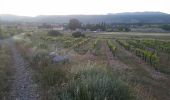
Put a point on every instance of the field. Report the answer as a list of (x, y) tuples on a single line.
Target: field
[(100, 66)]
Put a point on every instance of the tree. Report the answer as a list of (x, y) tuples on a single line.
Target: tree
[(165, 27), (123, 29), (73, 24)]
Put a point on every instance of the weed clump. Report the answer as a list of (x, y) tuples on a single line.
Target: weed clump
[(94, 84)]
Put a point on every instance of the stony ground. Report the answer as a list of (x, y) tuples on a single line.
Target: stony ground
[(23, 86)]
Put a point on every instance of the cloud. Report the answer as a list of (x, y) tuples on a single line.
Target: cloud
[(65, 7)]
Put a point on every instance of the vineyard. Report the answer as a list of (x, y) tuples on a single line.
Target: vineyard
[(148, 50), (131, 64)]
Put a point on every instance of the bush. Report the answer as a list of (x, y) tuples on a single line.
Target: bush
[(40, 59), (54, 33), (123, 29), (94, 85), (78, 34), (52, 76), (42, 45), (112, 47)]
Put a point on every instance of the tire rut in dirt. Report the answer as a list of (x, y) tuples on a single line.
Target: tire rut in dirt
[(23, 86)]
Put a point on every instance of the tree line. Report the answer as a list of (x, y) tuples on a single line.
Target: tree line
[(76, 24)]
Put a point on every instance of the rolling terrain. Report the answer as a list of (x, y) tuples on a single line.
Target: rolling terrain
[(137, 17)]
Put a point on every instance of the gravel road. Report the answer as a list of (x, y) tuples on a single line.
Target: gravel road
[(23, 86)]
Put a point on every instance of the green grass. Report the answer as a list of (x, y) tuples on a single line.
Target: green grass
[(72, 82), (49, 73), (89, 84), (53, 76), (5, 69), (97, 47), (94, 84)]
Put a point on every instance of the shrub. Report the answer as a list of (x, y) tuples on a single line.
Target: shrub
[(97, 47), (40, 59), (112, 47), (94, 85), (52, 76), (42, 45), (123, 29), (54, 33), (78, 34)]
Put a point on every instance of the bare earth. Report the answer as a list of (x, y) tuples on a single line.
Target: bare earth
[(23, 86)]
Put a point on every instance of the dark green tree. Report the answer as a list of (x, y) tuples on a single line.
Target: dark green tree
[(74, 23), (166, 27)]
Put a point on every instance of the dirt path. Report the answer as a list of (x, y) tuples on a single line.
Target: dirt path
[(113, 62), (23, 87)]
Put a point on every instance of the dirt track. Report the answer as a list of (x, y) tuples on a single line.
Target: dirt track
[(23, 86)]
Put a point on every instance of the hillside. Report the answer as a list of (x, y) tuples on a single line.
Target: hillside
[(136, 17)]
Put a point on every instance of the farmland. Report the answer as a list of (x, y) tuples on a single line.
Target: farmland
[(101, 66)]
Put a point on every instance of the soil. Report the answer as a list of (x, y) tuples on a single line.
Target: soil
[(23, 86)]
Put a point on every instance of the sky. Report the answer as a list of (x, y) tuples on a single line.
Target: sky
[(87, 7)]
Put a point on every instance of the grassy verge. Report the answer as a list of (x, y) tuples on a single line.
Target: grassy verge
[(94, 84), (5, 68)]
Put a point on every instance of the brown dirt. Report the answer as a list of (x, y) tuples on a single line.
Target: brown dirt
[(113, 62)]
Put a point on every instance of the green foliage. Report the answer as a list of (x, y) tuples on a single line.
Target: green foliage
[(67, 43), (96, 43), (165, 27), (40, 59), (5, 70), (74, 24), (94, 84), (42, 45), (4, 34), (141, 51), (80, 46), (158, 45), (97, 47), (125, 45), (8, 31), (112, 47), (54, 33), (81, 43), (123, 29), (93, 27), (78, 34), (52, 76), (148, 56)]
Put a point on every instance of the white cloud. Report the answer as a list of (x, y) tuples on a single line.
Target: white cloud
[(65, 7)]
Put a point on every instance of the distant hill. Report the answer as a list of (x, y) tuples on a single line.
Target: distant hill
[(136, 17)]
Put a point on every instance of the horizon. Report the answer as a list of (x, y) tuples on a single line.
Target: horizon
[(33, 8), (87, 14)]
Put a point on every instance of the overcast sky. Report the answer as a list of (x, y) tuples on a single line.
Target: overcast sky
[(67, 7)]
